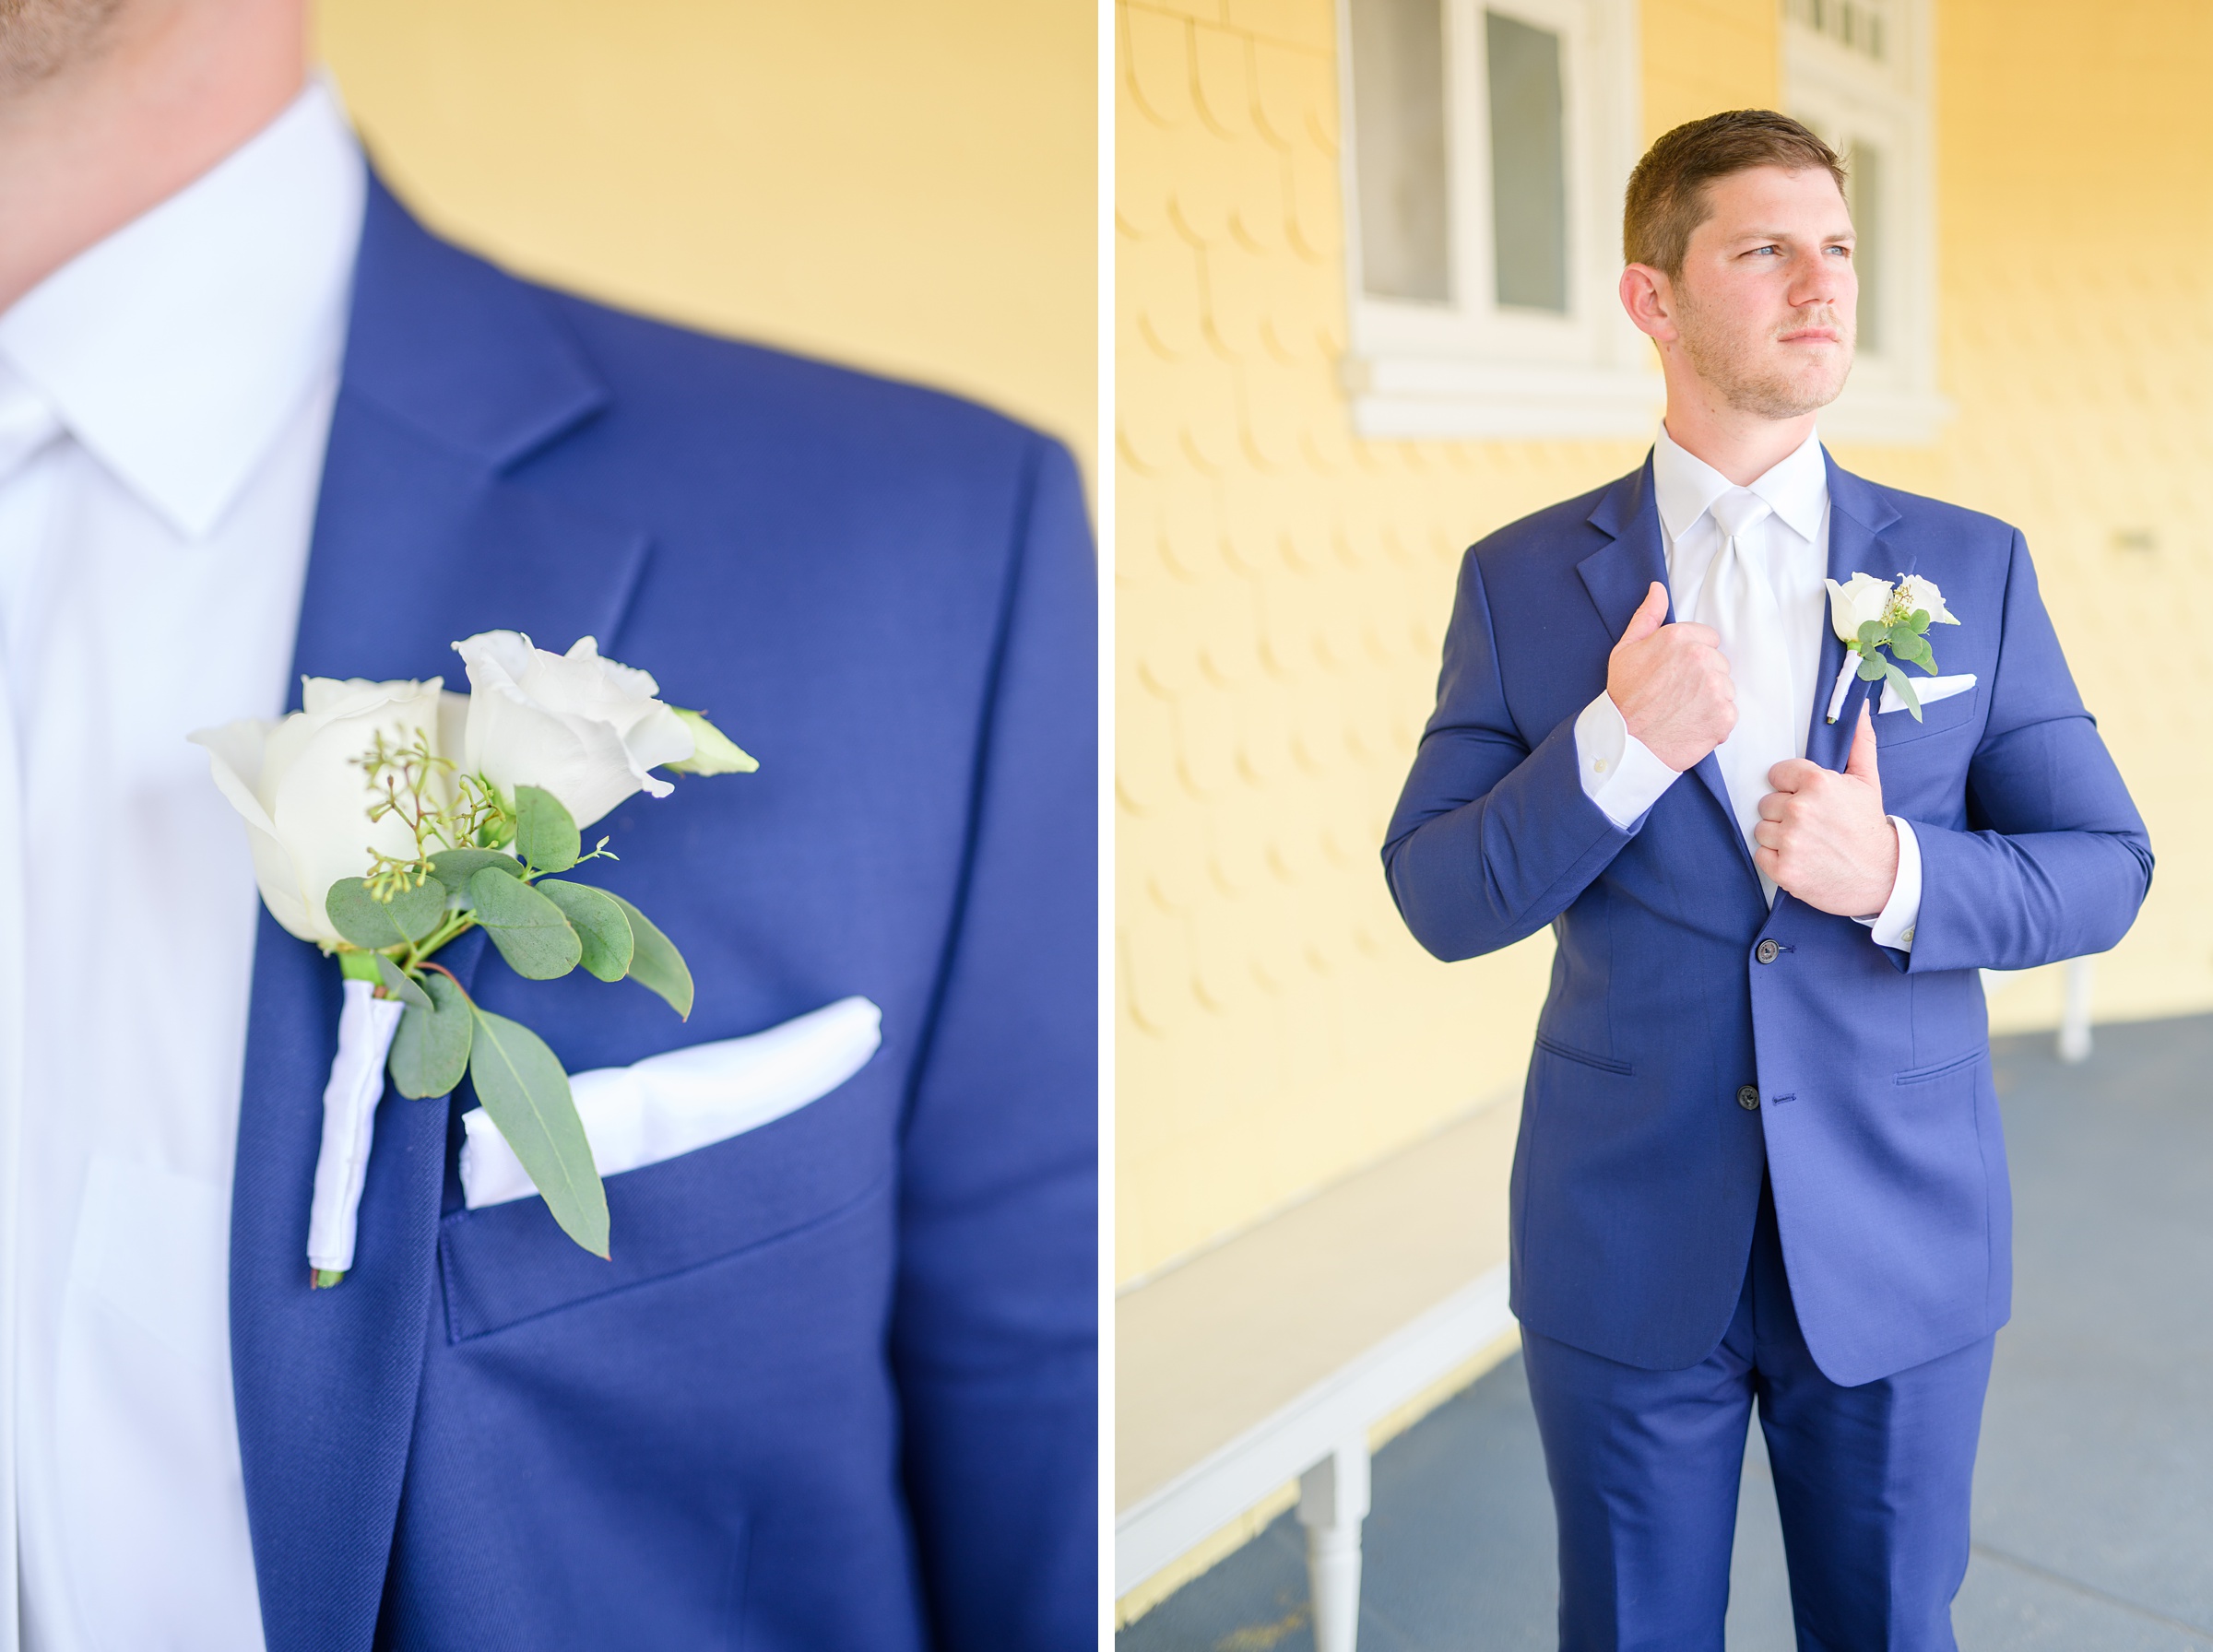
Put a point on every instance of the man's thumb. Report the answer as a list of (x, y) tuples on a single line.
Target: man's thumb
[(1651, 615), (1860, 764)]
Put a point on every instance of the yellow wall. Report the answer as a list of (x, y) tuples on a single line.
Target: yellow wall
[(909, 188), (1282, 593), (1284, 587), (2074, 231)]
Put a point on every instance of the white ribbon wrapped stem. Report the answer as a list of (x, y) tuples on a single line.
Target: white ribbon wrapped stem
[(1836, 696), (356, 1083)]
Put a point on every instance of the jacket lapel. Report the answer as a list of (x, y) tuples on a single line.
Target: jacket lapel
[(1617, 577), (1858, 513), (453, 376)]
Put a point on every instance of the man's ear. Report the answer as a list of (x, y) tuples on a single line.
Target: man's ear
[(1650, 298)]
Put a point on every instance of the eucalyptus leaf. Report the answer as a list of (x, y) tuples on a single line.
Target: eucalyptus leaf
[(713, 752), (455, 867), (1872, 633), (1919, 620), (366, 921), (429, 1051), (599, 922), (1872, 667), (1905, 691), (528, 929), (396, 981), (654, 962), (544, 831), (521, 1084)]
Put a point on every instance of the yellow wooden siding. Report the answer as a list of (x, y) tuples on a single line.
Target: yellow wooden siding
[(909, 188), (1283, 587)]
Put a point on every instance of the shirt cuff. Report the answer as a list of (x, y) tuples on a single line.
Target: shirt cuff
[(1893, 925), (1618, 771)]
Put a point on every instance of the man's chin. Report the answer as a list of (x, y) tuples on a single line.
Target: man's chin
[(1790, 398)]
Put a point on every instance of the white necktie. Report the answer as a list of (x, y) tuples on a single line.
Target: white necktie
[(1739, 600)]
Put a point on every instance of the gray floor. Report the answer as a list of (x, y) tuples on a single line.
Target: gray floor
[(2094, 1489)]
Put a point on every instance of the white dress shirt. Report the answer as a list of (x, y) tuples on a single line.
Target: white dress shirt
[(1620, 774), (165, 399)]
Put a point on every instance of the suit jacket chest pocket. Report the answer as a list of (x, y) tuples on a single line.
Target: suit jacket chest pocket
[(506, 1262), (1947, 716)]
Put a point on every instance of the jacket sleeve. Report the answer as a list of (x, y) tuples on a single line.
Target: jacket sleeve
[(1492, 838), (2054, 861), (994, 1333)]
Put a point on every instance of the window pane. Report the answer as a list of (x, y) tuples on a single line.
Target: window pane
[(1529, 164), (1399, 143), (1863, 178)]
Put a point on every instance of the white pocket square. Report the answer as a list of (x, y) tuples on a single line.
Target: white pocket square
[(1930, 690), (685, 1099)]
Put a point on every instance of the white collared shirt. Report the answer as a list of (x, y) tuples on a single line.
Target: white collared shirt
[(165, 399), (1619, 772)]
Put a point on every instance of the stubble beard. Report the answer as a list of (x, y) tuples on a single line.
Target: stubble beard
[(1744, 380), (40, 37)]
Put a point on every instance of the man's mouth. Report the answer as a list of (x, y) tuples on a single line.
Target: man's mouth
[(1811, 336)]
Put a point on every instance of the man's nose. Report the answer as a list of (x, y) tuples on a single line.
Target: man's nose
[(1822, 280)]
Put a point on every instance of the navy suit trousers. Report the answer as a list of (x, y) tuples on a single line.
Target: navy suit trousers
[(1873, 1482)]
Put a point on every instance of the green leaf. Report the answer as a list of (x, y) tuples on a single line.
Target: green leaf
[(1920, 653), (368, 922), (521, 1084), (1872, 633), (1872, 667), (599, 922), (528, 929), (1919, 620), (656, 963), (397, 983), (429, 1051), (1905, 691), (455, 867), (1902, 636), (712, 751), (544, 831)]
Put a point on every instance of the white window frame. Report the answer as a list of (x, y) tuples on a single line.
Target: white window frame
[(1470, 368), (1892, 397)]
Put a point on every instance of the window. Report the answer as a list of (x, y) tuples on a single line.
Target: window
[(1487, 145), (1857, 71)]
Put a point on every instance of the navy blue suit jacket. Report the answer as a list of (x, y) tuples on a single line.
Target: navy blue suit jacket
[(1636, 1175), (835, 1387)]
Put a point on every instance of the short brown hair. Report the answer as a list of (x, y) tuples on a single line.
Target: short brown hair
[(1667, 191)]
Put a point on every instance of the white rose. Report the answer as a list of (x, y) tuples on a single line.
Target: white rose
[(1915, 592), (305, 798), (1851, 606), (582, 727)]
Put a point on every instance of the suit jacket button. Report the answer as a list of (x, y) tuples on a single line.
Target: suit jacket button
[(1768, 951), (1748, 1098)]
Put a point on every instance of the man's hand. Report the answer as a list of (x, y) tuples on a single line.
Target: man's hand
[(1824, 837), (1671, 684)]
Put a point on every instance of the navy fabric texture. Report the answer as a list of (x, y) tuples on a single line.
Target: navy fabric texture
[(1872, 1483), (1636, 1175), (835, 1389)]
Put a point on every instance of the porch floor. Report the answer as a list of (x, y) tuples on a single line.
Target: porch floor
[(2093, 1522)]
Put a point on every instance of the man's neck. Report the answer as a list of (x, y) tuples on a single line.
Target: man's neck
[(1742, 446), (119, 129)]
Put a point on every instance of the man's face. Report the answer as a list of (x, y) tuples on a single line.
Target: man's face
[(38, 37), (1766, 304)]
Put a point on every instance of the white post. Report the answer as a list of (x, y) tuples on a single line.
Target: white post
[(1332, 1501), (2075, 1019)]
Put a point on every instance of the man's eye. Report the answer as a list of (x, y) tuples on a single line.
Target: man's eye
[(1842, 251)]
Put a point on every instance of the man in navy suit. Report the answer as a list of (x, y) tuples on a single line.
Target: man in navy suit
[(835, 1388), (1761, 1157)]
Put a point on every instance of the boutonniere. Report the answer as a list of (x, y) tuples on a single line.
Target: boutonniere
[(1873, 614), (388, 819)]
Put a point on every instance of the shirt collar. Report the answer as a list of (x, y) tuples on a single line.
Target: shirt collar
[(1685, 486), (177, 350)]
